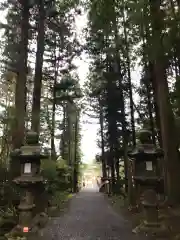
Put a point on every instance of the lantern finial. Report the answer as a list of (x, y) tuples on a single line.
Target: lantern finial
[(145, 136), (31, 138)]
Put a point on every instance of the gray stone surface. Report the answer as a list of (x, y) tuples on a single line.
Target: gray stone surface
[(89, 218)]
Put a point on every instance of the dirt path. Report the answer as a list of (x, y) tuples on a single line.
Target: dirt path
[(89, 218)]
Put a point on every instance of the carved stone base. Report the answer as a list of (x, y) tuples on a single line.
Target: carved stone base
[(38, 222), (17, 231)]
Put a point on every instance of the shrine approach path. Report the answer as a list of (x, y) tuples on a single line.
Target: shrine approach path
[(89, 217)]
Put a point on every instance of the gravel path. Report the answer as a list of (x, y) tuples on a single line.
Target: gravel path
[(89, 218)]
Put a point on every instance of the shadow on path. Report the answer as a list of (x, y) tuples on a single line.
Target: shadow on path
[(89, 217)]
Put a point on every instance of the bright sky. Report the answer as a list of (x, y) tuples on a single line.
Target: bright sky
[(89, 131)]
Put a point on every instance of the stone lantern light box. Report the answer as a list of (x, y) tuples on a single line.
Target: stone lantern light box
[(149, 166), (30, 162), (146, 157), (27, 168), (146, 162)]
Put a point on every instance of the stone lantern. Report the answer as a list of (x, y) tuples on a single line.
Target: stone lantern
[(30, 158), (147, 176), (146, 162)]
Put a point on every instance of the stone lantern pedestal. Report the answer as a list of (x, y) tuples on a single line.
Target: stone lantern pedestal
[(30, 158), (150, 204)]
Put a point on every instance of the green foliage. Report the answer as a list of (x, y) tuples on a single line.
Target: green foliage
[(49, 171), (60, 198), (55, 174), (9, 213), (62, 164), (8, 220)]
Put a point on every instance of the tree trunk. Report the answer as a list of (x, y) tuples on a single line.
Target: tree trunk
[(38, 69), (148, 77), (168, 130), (101, 119), (150, 107), (122, 106), (129, 82), (156, 107), (53, 150), (63, 144), (75, 173), (20, 93), (70, 143), (112, 124)]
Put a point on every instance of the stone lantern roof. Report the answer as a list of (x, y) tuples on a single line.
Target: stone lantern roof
[(146, 148), (31, 149)]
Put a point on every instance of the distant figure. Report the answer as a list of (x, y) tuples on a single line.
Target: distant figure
[(98, 180), (83, 184)]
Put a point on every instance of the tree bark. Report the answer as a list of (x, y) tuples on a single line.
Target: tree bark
[(20, 92), (150, 107), (38, 69), (129, 83), (53, 150), (168, 130), (101, 120), (117, 70), (20, 95), (75, 173)]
